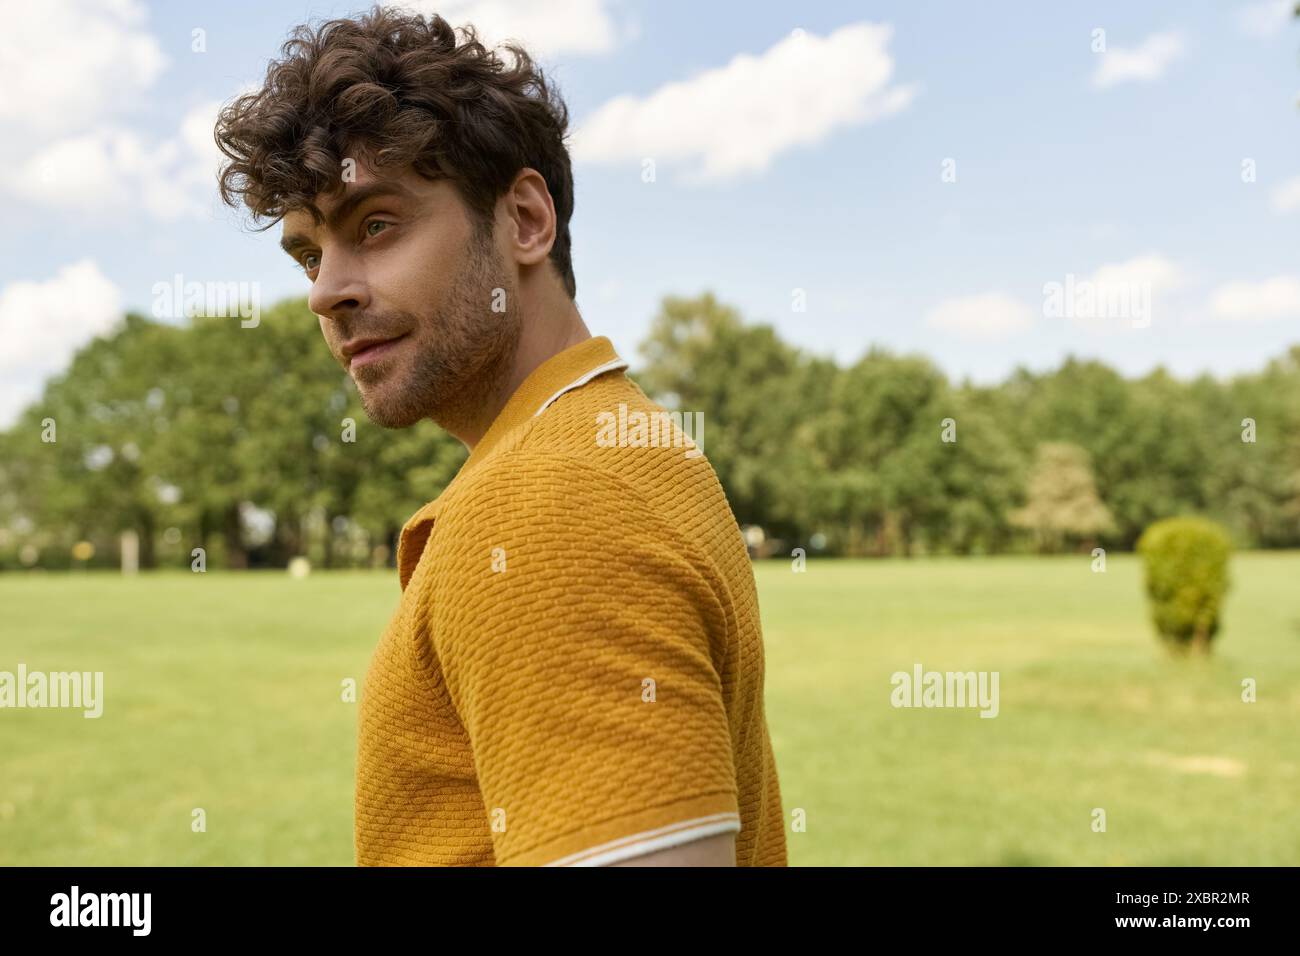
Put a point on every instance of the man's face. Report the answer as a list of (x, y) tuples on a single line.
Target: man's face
[(414, 301)]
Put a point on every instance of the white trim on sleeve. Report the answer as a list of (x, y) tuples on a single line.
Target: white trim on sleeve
[(652, 841)]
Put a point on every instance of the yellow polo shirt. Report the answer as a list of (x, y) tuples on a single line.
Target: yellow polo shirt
[(574, 674)]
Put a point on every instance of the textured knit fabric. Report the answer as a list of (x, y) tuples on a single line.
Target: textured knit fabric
[(574, 674)]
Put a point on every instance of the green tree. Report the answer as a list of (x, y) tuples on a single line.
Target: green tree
[(100, 476), (755, 396), (1063, 505), (1186, 578)]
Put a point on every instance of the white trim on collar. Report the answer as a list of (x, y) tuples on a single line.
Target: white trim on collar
[(582, 380)]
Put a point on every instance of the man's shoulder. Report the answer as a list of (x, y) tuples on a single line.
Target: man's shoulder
[(606, 436), (570, 531), (602, 466), (538, 483)]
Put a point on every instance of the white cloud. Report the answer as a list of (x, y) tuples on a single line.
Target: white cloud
[(1117, 296), (988, 316), (70, 65), (196, 135), (43, 323), (1265, 19), (1286, 197), (68, 62), (1153, 269), (111, 170), (737, 118), (1276, 298), (1147, 62), (544, 27)]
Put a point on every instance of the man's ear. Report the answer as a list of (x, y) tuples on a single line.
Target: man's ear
[(531, 213)]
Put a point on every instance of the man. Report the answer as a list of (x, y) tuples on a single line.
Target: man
[(574, 674)]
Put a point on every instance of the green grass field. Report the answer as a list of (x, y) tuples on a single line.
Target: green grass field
[(223, 692)]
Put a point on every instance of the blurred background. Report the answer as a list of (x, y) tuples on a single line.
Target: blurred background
[(969, 300)]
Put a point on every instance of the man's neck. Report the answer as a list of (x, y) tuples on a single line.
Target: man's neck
[(546, 330)]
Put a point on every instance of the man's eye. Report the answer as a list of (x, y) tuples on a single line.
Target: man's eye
[(370, 226), (310, 261)]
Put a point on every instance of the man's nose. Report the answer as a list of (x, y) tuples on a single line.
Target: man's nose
[(339, 288)]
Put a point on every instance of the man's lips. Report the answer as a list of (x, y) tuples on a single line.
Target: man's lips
[(360, 352)]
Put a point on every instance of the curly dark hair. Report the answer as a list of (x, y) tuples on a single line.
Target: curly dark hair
[(397, 89)]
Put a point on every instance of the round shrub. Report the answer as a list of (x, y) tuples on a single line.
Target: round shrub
[(1186, 578)]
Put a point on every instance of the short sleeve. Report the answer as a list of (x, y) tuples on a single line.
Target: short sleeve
[(581, 642)]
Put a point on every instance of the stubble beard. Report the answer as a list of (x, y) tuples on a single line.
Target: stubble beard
[(465, 355)]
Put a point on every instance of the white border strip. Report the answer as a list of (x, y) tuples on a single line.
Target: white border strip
[(598, 370), (651, 841)]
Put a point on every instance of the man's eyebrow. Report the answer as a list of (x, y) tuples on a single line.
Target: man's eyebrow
[(291, 243)]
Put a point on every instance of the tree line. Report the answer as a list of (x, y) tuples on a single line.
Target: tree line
[(251, 444)]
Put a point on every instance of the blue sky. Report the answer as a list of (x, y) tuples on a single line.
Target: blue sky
[(796, 147)]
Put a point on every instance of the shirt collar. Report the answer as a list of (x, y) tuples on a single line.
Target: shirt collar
[(562, 372), (572, 368)]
